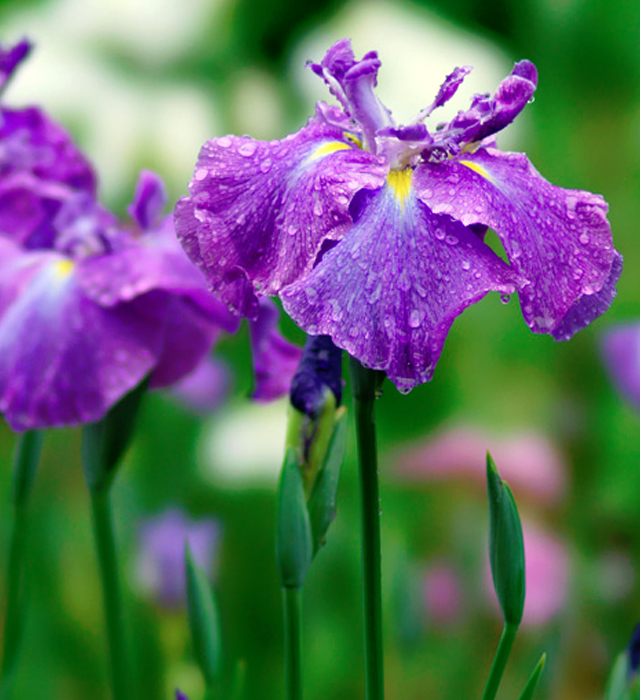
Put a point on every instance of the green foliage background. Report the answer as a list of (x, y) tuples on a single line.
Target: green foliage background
[(585, 134)]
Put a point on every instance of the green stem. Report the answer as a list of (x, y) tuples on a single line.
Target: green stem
[(292, 598), (106, 550), (500, 661), (26, 461), (363, 386)]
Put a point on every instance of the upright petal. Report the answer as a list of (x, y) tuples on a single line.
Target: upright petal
[(10, 59), (558, 241), (259, 212), (390, 290)]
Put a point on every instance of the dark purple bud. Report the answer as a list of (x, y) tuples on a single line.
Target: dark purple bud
[(634, 651), (320, 368)]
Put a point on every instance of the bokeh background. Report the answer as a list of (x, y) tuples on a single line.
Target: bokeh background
[(142, 84)]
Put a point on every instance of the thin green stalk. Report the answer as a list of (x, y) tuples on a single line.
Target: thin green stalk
[(500, 661), (292, 598), (363, 385), (26, 461), (106, 550)]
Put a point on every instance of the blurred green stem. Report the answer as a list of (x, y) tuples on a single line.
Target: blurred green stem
[(500, 661), (27, 457), (292, 641), (363, 386), (106, 550)]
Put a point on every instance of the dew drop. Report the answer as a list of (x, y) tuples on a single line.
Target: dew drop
[(505, 298), (584, 238), (201, 174), (466, 264), (265, 166), (247, 149), (414, 319), (224, 142)]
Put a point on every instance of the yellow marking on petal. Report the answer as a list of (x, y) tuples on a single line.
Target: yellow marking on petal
[(400, 182), (63, 268), (354, 139), (328, 148), (476, 169)]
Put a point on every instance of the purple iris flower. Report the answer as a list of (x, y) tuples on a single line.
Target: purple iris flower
[(161, 560), (621, 351), (89, 306), (373, 233)]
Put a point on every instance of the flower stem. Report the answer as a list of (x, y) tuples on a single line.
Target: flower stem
[(363, 386), (292, 598), (106, 549), (26, 460), (500, 661)]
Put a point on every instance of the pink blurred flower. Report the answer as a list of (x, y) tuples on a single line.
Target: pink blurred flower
[(547, 576), (441, 593), (527, 461)]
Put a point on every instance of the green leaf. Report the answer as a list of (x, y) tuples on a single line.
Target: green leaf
[(506, 547), (104, 442), (322, 501), (618, 684), (203, 621), (532, 683), (25, 464), (294, 543)]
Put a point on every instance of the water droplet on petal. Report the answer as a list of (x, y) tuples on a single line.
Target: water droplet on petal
[(247, 149), (414, 319)]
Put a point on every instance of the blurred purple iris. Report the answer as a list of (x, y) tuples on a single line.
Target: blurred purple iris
[(161, 557), (373, 233), (89, 306), (621, 351)]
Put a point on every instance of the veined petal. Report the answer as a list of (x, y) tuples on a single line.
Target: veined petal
[(259, 212), (559, 241), (65, 360), (390, 290)]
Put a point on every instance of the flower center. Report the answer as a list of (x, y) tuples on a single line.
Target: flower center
[(400, 183)]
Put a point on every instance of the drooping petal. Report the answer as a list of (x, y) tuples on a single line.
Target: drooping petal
[(559, 241), (275, 359), (155, 260), (65, 360), (259, 212), (621, 351), (189, 334), (390, 290)]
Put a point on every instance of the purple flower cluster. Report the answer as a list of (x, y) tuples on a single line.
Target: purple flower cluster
[(89, 306), (374, 233)]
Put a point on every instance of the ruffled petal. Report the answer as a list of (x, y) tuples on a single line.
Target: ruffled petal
[(275, 359), (558, 241), (65, 360), (259, 212), (621, 351), (390, 290)]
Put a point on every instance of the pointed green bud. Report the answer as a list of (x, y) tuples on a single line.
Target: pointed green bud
[(506, 548), (322, 501), (203, 621), (294, 543), (104, 442), (532, 683)]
